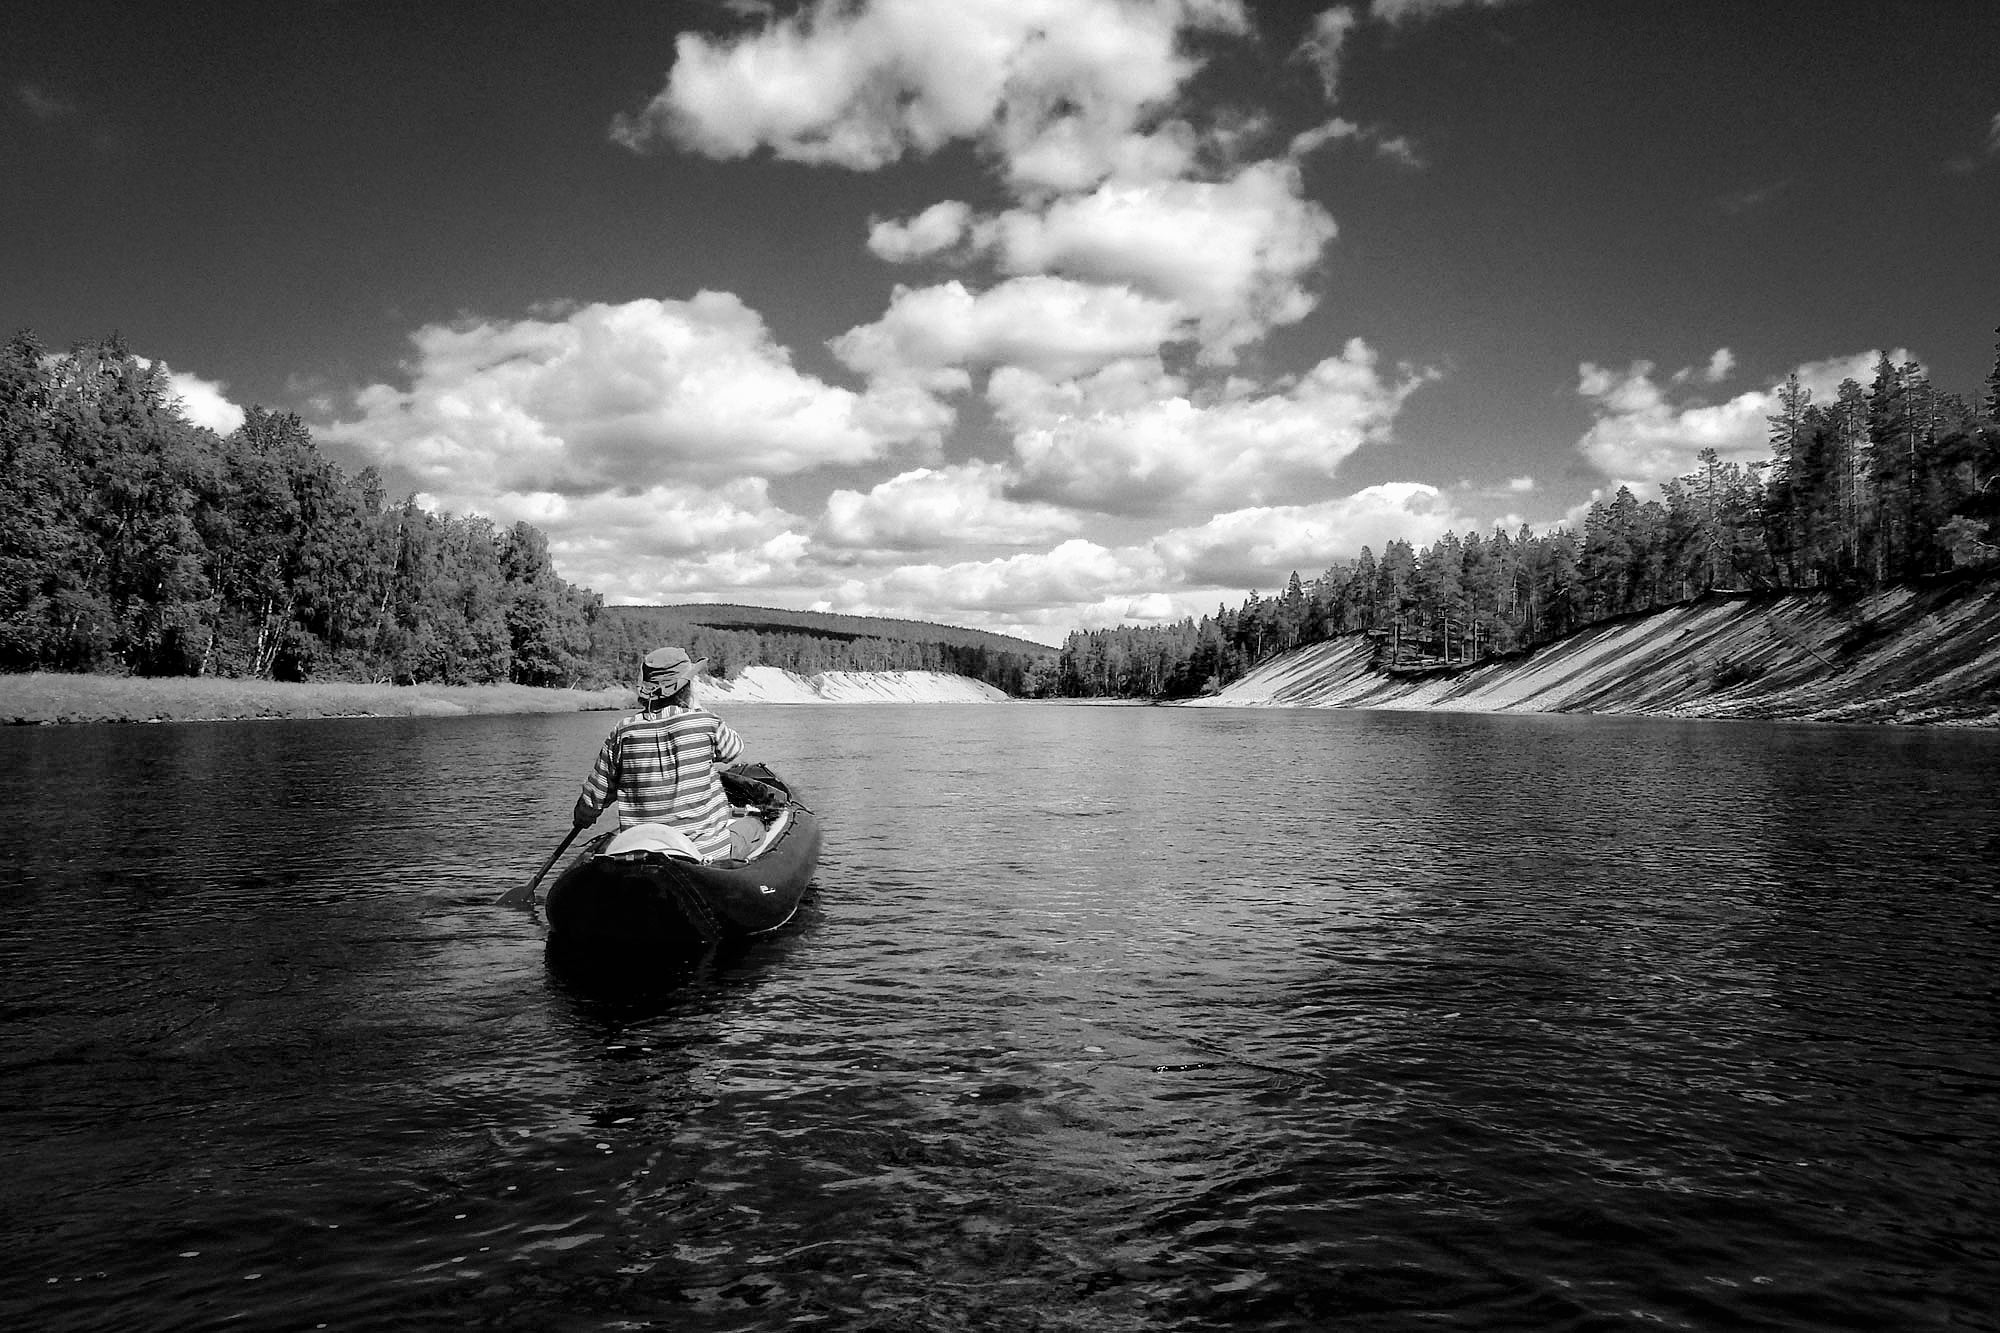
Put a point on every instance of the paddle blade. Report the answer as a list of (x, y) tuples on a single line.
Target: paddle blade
[(523, 895)]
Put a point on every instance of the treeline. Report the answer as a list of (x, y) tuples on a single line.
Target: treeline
[(837, 625), (622, 635), (132, 540), (1893, 481)]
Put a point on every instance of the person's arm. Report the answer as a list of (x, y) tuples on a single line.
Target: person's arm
[(599, 787), (728, 745)]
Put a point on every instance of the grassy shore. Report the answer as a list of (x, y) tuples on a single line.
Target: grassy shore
[(56, 697)]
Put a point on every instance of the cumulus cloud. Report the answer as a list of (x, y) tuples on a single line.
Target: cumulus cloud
[(1232, 254), (661, 542), (203, 402), (639, 437), (1644, 435), (1131, 228), (1260, 547), (1052, 326), (1054, 88), (1042, 595), (1026, 586), (1132, 439), (632, 395), (1179, 574), (938, 227), (1127, 236), (1641, 436), (932, 509)]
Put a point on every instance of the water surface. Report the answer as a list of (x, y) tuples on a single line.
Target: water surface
[(1099, 1018)]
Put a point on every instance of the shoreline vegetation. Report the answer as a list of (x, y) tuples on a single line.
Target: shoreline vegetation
[(1906, 656), (42, 697)]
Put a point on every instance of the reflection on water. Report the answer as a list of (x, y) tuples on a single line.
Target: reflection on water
[(1100, 1018)]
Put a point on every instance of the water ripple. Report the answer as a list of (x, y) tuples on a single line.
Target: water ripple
[(1098, 1019)]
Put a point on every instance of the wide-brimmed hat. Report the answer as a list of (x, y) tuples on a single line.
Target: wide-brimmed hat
[(667, 669)]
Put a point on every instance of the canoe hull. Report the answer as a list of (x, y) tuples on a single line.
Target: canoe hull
[(659, 904)]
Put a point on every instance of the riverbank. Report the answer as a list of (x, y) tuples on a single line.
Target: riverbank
[(1906, 655), (49, 697), (770, 685), (52, 697)]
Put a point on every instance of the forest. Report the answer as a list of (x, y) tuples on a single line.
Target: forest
[(132, 541), (1892, 481)]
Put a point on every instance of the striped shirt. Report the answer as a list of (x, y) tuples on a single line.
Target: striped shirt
[(661, 766)]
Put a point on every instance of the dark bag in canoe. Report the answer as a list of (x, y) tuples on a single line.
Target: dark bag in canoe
[(754, 784)]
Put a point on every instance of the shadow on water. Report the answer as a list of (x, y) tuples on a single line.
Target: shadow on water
[(619, 986), (615, 988)]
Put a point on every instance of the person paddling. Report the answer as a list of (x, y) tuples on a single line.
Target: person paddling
[(660, 764)]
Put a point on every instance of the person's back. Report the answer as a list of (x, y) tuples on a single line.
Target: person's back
[(660, 764)]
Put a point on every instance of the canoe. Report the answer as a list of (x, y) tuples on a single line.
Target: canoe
[(629, 893)]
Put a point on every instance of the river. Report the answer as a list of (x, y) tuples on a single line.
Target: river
[(1098, 1018)]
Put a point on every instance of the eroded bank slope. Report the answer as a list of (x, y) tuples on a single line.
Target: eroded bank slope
[(1902, 655), (769, 685)]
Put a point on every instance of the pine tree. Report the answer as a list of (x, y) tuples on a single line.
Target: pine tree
[(1360, 597), (1395, 584), (1851, 464), (1480, 577), (1785, 485), (1440, 589), (1290, 616), (1890, 471), (40, 543)]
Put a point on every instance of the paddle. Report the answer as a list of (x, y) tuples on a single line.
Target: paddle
[(525, 893)]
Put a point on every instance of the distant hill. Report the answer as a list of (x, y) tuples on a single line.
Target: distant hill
[(824, 625), (808, 643)]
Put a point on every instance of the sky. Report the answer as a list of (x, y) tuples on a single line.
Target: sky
[(1025, 315)]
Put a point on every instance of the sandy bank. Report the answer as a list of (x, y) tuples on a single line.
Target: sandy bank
[(769, 685), (1901, 655)]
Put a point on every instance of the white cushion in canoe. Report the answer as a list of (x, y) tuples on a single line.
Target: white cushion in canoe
[(661, 838)]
